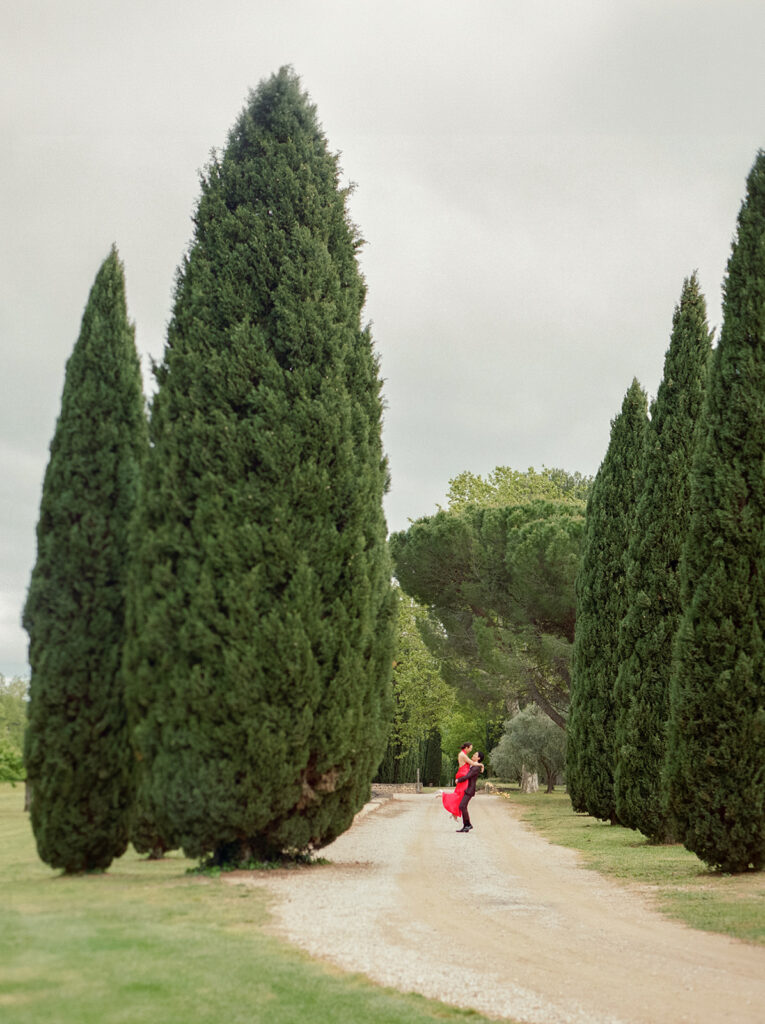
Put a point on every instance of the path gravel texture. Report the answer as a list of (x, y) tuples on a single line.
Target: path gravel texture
[(503, 922)]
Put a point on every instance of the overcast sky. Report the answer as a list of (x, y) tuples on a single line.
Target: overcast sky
[(534, 181)]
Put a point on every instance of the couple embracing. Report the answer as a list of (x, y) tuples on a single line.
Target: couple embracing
[(468, 770)]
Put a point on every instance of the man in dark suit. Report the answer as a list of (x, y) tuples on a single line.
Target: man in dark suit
[(469, 793)]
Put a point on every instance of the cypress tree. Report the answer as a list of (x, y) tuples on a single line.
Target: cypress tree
[(600, 607), (77, 749), (263, 613), (714, 776), (432, 758), (659, 528)]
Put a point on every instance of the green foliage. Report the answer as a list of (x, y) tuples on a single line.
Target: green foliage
[(421, 698), (433, 759), (506, 486), (467, 723), (499, 583), (262, 612), (715, 777), (421, 702), (13, 710), (13, 714), (532, 741), (399, 764), (652, 596), (600, 606), (77, 749), (11, 762)]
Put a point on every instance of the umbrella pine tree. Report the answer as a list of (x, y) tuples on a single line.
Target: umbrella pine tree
[(715, 782), (600, 607), (659, 528), (263, 613), (77, 748)]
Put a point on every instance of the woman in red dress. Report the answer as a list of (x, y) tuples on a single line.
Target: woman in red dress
[(451, 801)]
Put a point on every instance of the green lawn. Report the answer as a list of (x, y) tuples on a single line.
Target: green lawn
[(146, 942), (682, 886)]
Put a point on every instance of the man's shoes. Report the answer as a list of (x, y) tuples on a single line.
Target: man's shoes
[(465, 828)]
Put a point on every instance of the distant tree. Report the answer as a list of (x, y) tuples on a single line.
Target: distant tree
[(421, 697), (600, 607), (499, 584), (399, 763), (13, 710), (505, 486), (467, 723), (662, 515), (262, 611), (77, 752), (531, 742), (13, 694), (432, 761), (421, 701), (716, 750), (11, 763)]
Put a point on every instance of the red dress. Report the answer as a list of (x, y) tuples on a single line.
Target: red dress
[(451, 801)]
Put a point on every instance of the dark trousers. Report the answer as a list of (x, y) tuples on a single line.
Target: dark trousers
[(466, 798)]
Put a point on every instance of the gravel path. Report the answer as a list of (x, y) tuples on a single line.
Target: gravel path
[(503, 922)]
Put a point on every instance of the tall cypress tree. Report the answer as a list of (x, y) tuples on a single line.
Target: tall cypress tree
[(261, 652), (715, 778), (77, 749), (659, 528), (600, 607)]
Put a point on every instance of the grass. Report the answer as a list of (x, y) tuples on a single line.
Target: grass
[(680, 884), (148, 943)]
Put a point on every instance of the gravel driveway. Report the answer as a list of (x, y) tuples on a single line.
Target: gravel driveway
[(500, 921)]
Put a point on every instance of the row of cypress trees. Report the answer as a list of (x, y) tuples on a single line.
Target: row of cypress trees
[(666, 732), (211, 613), (401, 764)]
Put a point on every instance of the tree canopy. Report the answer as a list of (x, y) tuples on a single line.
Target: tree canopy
[(13, 702), (499, 584), (507, 486), (422, 703), (422, 699), (13, 710), (531, 742)]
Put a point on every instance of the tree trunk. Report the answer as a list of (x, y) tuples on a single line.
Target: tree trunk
[(550, 777), (242, 852), (529, 781)]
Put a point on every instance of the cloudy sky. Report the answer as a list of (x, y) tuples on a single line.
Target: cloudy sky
[(534, 181)]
